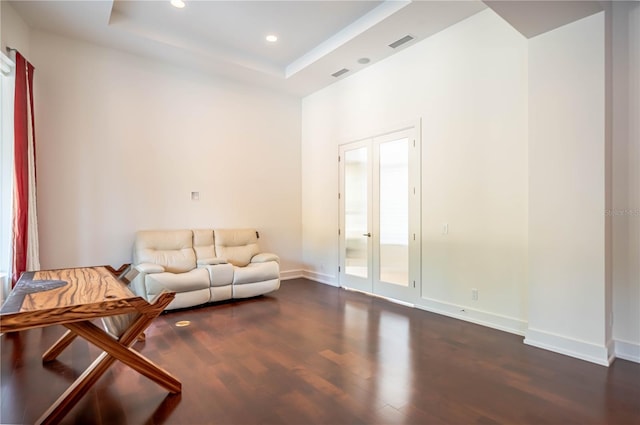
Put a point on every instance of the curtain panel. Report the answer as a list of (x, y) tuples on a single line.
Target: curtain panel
[(25, 222)]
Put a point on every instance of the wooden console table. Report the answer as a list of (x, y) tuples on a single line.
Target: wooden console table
[(72, 298)]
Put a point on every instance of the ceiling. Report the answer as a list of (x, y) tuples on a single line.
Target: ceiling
[(315, 38), (534, 17)]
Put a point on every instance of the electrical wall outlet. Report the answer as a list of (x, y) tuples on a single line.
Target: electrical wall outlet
[(474, 294)]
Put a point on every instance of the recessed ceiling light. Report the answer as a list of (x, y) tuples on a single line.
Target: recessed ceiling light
[(364, 61), (271, 38), (177, 3)]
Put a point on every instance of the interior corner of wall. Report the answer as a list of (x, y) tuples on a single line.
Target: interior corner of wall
[(327, 279), (583, 350)]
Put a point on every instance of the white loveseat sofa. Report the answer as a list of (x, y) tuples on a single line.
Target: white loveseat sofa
[(203, 265)]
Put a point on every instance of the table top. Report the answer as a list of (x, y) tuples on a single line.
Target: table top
[(52, 297)]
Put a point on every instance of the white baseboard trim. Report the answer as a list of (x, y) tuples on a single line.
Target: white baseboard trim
[(290, 274), (594, 353), (626, 350), (391, 300), (479, 317), (321, 278)]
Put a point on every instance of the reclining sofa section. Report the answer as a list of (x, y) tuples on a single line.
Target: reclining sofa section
[(203, 265)]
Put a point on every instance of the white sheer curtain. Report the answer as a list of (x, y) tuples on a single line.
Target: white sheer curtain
[(33, 245)]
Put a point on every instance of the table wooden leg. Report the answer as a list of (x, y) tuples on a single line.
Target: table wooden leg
[(130, 357), (77, 390), (114, 350), (57, 348)]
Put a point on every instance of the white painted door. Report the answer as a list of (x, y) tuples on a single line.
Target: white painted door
[(356, 216), (380, 215)]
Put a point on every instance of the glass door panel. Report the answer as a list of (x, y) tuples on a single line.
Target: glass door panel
[(394, 212), (396, 215), (356, 216), (356, 220)]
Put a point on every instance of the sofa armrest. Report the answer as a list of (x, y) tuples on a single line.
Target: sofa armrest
[(149, 268), (264, 257), (211, 261)]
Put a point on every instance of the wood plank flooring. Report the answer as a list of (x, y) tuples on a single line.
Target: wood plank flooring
[(314, 354)]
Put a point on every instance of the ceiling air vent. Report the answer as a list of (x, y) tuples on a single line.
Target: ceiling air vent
[(339, 73), (398, 43)]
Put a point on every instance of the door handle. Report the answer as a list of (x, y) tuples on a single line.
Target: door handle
[(367, 235)]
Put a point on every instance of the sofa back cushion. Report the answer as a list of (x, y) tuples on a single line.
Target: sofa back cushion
[(237, 246), (172, 249), (203, 244)]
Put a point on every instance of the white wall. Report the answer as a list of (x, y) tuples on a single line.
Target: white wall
[(626, 179), (14, 32), (567, 190), (123, 141), (469, 85)]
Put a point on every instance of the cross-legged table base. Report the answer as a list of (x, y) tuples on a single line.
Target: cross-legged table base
[(114, 349), (74, 297)]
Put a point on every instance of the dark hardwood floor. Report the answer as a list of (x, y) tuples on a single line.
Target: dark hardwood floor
[(314, 354)]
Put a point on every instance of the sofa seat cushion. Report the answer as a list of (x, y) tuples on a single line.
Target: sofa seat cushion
[(178, 282), (256, 272)]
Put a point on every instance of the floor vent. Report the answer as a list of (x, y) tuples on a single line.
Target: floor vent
[(398, 43), (339, 73)]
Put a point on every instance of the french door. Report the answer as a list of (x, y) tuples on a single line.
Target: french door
[(380, 215)]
